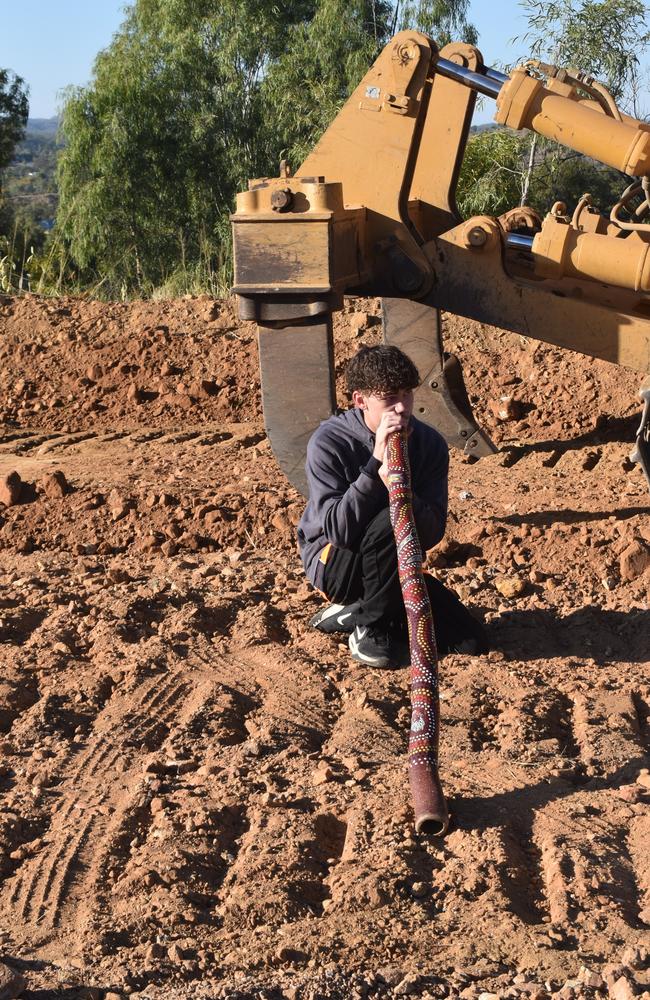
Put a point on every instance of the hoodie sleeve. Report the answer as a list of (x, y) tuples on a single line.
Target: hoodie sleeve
[(343, 509), (431, 493)]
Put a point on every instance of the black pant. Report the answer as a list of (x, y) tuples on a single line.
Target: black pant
[(368, 575)]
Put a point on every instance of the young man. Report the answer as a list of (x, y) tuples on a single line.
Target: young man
[(345, 535)]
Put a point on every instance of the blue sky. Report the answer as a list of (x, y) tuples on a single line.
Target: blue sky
[(55, 43)]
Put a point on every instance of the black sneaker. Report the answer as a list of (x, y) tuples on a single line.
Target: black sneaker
[(335, 618), (371, 646)]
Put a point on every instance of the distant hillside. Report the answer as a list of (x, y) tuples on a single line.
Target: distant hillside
[(486, 127), (43, 126), (29, 182)]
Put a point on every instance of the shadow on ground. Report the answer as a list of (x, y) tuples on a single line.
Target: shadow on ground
[(591, 632)]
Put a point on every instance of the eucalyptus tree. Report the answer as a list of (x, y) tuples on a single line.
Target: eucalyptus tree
[(191, 99), (14, 109), (605, 38)]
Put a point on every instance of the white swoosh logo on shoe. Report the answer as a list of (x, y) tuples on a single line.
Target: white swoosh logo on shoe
[(341, 618)]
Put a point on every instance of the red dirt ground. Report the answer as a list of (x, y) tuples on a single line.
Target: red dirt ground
[(202, 797)]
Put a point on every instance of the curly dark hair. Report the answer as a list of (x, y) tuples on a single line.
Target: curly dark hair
[(381, 369)]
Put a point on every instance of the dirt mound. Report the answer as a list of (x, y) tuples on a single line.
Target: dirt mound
[(202, 797)]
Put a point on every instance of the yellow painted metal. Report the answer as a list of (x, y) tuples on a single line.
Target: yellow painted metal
[(559, 250), (614, 324), (299, 253), (525, 102), (444, 135), (372, 211), (310, 247), (372, 146)]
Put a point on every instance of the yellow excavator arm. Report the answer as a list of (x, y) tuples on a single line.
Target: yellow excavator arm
[(372, 211)]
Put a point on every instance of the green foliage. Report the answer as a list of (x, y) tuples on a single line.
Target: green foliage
[(14, 108), (15, 263), (567, 176), (604, 37), (495, 168), (157, 146), (305, 88), (444, 20), (191, 99), (492, 174)]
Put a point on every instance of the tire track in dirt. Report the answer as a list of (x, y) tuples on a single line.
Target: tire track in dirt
[(46, 888), (608, 730), (558, 860), (588, 871)]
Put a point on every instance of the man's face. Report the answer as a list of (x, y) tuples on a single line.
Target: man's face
[(375, 404)]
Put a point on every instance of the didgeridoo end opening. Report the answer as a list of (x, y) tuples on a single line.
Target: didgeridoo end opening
[(430, 825)]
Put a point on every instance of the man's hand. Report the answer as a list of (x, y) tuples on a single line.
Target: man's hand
[(390, 423)]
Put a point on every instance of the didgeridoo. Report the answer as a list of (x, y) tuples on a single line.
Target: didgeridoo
[(431, 814)]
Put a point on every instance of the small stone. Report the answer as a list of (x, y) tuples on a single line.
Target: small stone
[(635, 957), (629, 793), (116, 574), (591, 979), (175, 954), (135, 394), (634, 561), (202, 389), (509, 586), (12, 983), (390, 975), (407, 987), (358, 321), (290, 956), (55, 485), (643, 780), (281, 522), (154, 951), (11, 487), (322, 774), (419, 890), (622, 989), (506, 408), (611, 971)]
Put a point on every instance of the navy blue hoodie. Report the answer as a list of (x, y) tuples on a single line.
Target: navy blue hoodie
[(346, 493)]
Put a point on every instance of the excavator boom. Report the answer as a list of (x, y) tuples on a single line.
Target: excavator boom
[(372, 211)]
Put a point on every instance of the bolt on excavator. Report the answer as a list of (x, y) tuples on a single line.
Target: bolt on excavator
[(372, 211)]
